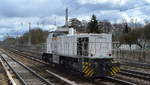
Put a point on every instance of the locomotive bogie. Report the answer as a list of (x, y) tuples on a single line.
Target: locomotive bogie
[(85, 66)]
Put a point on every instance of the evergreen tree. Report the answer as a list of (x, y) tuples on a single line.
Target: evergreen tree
[(93, 25), (127, 28)]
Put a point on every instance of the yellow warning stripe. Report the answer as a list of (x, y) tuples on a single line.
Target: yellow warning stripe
[(86, 72), (84, 63), (83, 66), (84, 69), (115, 69), (111, 73), (90, 72), (112, 61), (118, 69)]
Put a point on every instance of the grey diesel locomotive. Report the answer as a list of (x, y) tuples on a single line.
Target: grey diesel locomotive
[(88, 54)]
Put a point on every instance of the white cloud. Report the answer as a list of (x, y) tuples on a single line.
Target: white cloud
[(121, 2), (20, 24), (147, 1), (30, 8), (15, 12)]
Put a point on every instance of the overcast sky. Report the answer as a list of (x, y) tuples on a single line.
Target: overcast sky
[(15, 14)]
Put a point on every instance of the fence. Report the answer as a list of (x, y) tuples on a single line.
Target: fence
[(137, 55)]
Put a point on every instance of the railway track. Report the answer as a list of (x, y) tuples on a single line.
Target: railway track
[(124, 63), (4, 75), (124, 72), (141, 75), (129, 74), (41, 68), (24, 73), (114, 80), (123, 82), (135, 64)]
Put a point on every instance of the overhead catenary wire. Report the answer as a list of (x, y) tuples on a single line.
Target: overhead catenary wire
[(133, 8)]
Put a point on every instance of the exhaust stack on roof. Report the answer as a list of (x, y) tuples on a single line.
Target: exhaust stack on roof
[(66, 23)]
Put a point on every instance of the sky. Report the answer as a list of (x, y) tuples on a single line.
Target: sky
[(16, 14)]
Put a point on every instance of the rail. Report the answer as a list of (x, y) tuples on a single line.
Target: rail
[(43, 80), (135, 64), (8, 73), (130, 72), (123, 82), (52, 73), (20, 78), (141, 75)]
